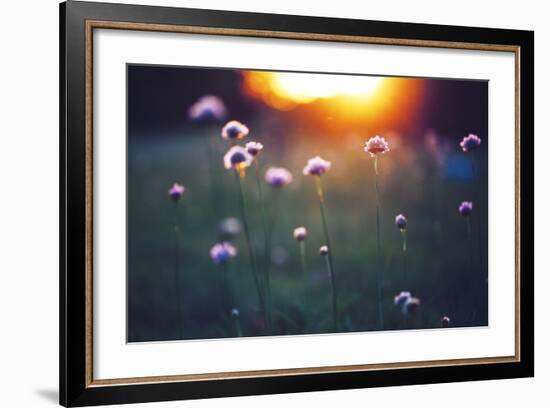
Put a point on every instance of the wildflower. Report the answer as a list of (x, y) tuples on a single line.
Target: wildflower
[(222, 253), (323, 251), (278, 176), (465, 208), (300, 233), (237, 158), (254, 148), (176, 191), (401, 298), (401, 222), (208, 107), (235, 313), (230, 227), (470, 142), (376, 145), (445, 321), (411, 305), (316, 166), (234, 130)]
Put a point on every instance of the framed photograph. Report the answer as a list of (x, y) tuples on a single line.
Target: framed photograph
[(256, 204)]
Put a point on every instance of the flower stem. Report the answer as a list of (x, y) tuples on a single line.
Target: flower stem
[(404, 237), (303, 264), (330, 264), (266, 244), (237, 325), (253, 265), (378, 246), (177, 269), (267, 258), (229, 303)]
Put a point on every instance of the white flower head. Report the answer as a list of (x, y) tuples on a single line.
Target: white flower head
[(300, 233), (316, 166), (237, 158), (254, 148), (234, 130), (376, 145)]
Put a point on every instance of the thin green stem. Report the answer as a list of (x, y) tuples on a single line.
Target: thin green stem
[(473, 283), (229, 303), (303, 257), (303, 264), (252, 257), (267, 258), (266, 243), (177, 279), (378, 246), (330, 264), (237, 324), (404, 248)]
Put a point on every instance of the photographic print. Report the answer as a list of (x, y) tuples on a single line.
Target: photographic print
[(267, 203)]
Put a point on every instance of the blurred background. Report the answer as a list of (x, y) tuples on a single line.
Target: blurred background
[(425, 176)]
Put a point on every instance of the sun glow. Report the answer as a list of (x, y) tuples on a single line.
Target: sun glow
[(284, 90)]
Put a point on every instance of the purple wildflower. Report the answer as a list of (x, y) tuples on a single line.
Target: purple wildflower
[(176, 191), (222, 253), (401, 298), (234, 130), (376, 145), (401, 222), (316, 166), (470, 142), (300, 233), (208, 108), (254, 148), (237, 158), (465, 208), (278, 177)]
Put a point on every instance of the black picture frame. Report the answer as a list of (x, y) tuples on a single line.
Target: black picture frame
[(75, 386)]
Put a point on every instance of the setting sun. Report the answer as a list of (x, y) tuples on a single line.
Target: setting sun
[(284, 90)]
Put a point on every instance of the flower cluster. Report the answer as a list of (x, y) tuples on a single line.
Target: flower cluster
[(239, 158)]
